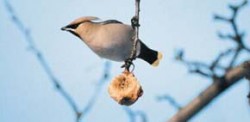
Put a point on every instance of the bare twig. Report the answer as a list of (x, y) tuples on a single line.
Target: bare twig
[(234, 58), (56, 82), (171, 101), (202, 69), (134, 114), (247, 49), (224, 36), (214, 90), (26, 32), (194, 67), (219, 57), (135, 25), (95, 95), (220, 84), (237, 36)]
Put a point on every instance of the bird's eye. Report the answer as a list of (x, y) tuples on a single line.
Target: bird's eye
[(73, 26)]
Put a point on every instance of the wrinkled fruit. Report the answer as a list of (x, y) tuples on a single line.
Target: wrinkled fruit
[(125, 89)]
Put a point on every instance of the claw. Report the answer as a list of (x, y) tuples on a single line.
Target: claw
[(127, 64)]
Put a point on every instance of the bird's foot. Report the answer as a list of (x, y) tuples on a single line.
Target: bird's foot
[(128, 64)]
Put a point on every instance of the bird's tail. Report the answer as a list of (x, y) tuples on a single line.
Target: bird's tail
[(151, 56)]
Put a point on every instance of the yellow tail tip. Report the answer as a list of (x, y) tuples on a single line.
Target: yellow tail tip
[(157, 62)]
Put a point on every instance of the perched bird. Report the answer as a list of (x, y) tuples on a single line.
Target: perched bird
[(111, 39)]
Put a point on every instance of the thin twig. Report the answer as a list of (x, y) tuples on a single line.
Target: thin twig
[(247, 49), (215, 63), (56, 82), (201, 73), (134, 114), (234, 58), (237, 36), (220, 84), (135, 25), (195, 67), (171, 101), (43, 62), (98, 88)]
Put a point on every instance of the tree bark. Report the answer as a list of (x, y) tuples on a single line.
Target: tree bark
[(218, 86)]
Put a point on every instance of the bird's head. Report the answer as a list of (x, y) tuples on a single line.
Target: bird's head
[(74, 26)]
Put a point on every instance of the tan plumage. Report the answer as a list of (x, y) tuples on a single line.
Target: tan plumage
[(111, 39)]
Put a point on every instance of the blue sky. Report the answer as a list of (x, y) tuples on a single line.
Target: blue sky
[(27, 95)]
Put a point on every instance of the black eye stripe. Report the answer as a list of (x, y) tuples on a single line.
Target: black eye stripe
[(74, 26)]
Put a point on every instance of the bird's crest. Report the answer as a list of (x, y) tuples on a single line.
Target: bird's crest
[(83, 19)]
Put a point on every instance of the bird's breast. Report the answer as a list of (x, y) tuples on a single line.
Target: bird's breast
[(112, 41)]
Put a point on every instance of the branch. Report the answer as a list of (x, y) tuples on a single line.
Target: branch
[(54, 80), (43, 62), (215, 63), (247, 66), (237, 37), (228, 79), (171, 101), (234, 58), (215, 89), (135, 25), (194, 67), (133, 114), (98, 88)]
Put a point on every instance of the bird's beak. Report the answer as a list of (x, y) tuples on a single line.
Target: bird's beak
[(65, 28), (69, 29)]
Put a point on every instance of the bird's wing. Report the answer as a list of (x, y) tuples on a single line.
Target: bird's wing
[(111, 22)]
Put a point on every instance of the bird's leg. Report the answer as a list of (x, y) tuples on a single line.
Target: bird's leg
[(127, 64)]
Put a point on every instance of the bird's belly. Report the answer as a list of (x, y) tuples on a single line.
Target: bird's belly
[(113, 51), (113, 44)]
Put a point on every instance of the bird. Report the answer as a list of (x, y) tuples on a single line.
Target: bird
[(111, 39)]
